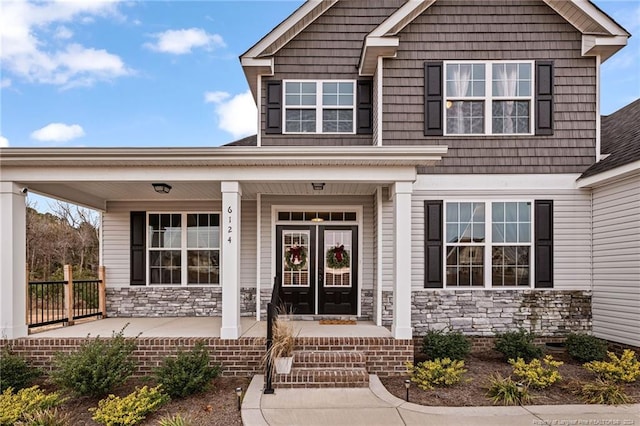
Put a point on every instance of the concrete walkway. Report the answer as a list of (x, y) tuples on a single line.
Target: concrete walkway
[(376, 406)]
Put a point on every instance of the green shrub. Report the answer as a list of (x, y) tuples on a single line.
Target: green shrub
[(623, 369), (15, 372), (535, 374), (97, 367), (517, 344), (49, 417), (505, 391), (441, 344), (603, 392), (14, 407), (187, 373), (176, 420), (439, 372), (585, 348), (131, 409)]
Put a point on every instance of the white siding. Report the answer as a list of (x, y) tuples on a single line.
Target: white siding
[(116, 234), (248, 229), (572, 231), (388, 238), (268, 231), (616, 261)]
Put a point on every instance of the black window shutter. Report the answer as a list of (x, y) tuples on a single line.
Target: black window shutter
[(544, 243), (544, 98), (433, 123), (364, 109), (138, 247), (274, 107), (433, 244)]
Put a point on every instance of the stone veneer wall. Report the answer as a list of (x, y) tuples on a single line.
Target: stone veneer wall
[(385, 356), (486, 312), (149, 301)]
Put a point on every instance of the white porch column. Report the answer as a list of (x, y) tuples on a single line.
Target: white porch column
[(13, 260), (230, 228), (401, 193)]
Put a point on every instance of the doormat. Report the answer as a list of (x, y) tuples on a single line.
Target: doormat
[(337, 322)]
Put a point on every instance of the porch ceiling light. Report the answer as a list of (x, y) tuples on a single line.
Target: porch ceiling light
[(317, 219), (161, 188), (317, 186)]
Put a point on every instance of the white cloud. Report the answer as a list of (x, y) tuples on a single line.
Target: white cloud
[(4, 142), (236, 114), (58, 132), (179, 42), (26, 53), (5, 82), (63, 33), (215, 97)]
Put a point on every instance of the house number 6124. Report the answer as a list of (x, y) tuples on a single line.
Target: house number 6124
[(229, 227)]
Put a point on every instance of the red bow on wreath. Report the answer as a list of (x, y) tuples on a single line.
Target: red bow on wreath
[(295, 254), (338, 252)]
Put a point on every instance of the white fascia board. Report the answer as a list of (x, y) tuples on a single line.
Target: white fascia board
[(613, 174), (375, 47), (605, 47), (264, 65), (600, 17), (476, 182), (362, 174)]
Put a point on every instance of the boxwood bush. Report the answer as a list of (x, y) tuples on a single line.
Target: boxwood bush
[(445, 344), (517, 344), (586, 348)]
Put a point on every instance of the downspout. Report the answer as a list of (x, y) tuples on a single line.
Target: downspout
[(258, 251), (259, 109), (379, 108), (379, 256), (598, 112)]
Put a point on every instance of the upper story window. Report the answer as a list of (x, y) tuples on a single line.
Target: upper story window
[(488, 98), (319, 106)]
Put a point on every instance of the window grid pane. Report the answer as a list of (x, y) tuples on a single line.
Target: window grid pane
[(304, 103), (511, 236), (465, 233), (337, 120), (301, 121), (465, 117)]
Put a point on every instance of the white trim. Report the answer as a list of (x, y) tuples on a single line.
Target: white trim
[(598, 112), (594, 13), (101, 241), (488, 98), (319, 106), (259, 109), (379, 258), (258, 252), (380, 99), (359, 222), (604, 177), (503, 182), (488, 243)]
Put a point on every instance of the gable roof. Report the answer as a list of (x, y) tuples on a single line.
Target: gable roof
[(620, 136), (601, 34)]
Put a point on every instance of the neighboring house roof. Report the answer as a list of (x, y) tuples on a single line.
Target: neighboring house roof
[(248, 141), (620, 139), (601, 35)]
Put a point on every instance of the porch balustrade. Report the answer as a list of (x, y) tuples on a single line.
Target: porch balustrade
[(64, 302)]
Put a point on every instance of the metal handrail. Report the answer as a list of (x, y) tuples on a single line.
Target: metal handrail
[(272, 315)]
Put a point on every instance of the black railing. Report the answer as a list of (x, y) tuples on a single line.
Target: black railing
[(49, 302), (272, 315), (86, 299), (46, 303)]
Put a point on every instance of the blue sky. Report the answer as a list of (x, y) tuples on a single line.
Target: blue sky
[(166, 73)]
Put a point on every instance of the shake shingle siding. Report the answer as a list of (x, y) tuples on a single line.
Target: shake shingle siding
[(495, 30), (329, 48)]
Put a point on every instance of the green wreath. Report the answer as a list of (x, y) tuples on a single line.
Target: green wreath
[(337, 257), (296, 258)]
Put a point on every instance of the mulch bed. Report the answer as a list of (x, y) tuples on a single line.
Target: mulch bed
[(480, 366)]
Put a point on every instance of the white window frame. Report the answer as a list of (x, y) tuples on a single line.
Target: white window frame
[(318, 107), (184, 271), (488, 244), (488, 98)]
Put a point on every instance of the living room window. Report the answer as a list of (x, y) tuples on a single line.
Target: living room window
[(183, 248), (488, 250), (319, 106), (483, 98)]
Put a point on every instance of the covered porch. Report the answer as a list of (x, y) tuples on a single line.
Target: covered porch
[(242, 187)]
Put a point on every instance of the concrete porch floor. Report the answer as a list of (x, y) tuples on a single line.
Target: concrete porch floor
[(204, 327)]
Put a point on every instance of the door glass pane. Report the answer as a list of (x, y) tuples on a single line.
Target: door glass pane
[(338, 259), (295, 258)]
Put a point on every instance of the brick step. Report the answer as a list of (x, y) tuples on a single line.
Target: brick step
[(329, 359), (336, 377)]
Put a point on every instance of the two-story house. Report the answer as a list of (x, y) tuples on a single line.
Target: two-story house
[(415, 164)]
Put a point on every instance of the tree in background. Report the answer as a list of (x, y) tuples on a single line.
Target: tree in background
[(68, 235)]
